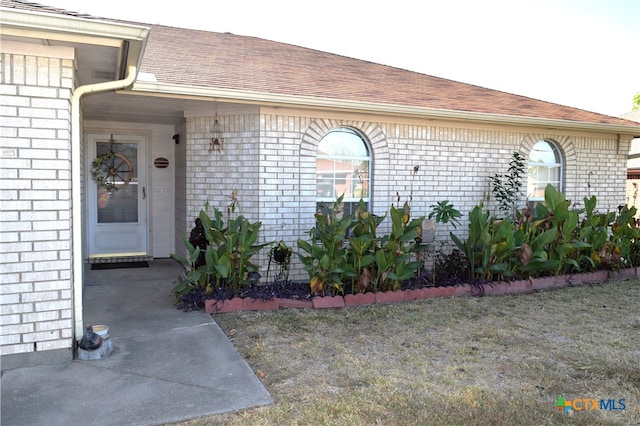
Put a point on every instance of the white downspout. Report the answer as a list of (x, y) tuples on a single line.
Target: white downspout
[(77, 272)]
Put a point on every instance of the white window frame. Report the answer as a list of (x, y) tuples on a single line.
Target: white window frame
[(558, 164), (368, 159)]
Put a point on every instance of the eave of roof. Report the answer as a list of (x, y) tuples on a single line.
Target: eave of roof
[(32, 24), (223, 65), (207, 65), (281, 100)]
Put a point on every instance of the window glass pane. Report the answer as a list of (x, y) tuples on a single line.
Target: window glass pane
[(361, 180), (533, 190), (554, 174), (542, 152), (326, 188), (543, 174), (342, 143), (343, 169), (119, 206), (545, 167)]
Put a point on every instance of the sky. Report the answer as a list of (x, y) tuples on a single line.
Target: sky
[(580, 53)]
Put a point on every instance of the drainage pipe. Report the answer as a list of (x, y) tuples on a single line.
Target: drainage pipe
[(77, 212)]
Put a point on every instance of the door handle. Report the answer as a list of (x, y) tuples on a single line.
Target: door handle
[(144, 193)]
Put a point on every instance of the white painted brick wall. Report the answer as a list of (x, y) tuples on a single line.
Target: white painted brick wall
[(36, 289)]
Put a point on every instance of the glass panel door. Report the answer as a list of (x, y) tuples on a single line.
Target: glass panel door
[(120, 171)]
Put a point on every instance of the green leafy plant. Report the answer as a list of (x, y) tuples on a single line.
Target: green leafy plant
[(324, 257), (625, 235), (549, 242), (615, 237), (532, 243), (565, 249), (363, 243), (367, 262), (594, 230), (393, 259), (489, 247), (227, 257), (194, 280), (231, 250), (444, 213), (507, 188)]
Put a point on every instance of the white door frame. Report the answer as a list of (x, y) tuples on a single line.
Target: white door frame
[(124, 238)]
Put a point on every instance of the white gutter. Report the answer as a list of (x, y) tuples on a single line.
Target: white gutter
[(241, 96), (32, 24), (77, 272), (49, 28)]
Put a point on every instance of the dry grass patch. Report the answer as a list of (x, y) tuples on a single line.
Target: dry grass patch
[(497, 360)]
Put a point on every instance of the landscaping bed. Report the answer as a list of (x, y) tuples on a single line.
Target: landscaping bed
[(349, 262), (296, 294)]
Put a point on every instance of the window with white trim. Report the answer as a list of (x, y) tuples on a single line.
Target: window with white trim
[(545, 167), (343, 168)]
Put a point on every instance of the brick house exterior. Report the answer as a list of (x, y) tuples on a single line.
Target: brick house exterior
[(36, 200), (271, 109)]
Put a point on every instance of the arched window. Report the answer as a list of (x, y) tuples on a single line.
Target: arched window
[(343, 167), (545, 167)]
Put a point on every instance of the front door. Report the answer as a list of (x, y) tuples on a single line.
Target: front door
[(116, 196)]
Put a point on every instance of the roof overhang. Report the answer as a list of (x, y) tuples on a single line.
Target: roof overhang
[(128, 40), (271, 99)]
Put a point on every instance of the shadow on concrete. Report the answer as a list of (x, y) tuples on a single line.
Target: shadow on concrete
[(166, 365)]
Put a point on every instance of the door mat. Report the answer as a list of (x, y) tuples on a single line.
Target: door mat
[(119, 265)]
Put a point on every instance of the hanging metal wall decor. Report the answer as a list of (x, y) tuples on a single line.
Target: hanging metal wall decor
[(216, 138), (112, 170)]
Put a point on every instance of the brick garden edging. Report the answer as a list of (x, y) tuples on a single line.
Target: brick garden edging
[(400, 296)]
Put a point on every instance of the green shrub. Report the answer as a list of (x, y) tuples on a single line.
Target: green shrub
[(324, 257), (345, 251), (228, 255), (555, 240)]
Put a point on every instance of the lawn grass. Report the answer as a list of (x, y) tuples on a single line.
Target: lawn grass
[(493, 360)]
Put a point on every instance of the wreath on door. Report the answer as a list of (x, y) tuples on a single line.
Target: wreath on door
[(112, 171)]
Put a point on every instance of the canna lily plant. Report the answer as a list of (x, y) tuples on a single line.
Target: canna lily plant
[(228, 255)]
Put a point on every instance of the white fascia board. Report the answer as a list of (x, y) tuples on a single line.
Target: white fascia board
[(71, 29), (191, 92), (65, 28)]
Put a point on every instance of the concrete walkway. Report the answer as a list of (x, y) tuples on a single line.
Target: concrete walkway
[(166, 365)]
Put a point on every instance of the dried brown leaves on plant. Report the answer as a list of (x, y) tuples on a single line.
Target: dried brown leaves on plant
[(363, 280)]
